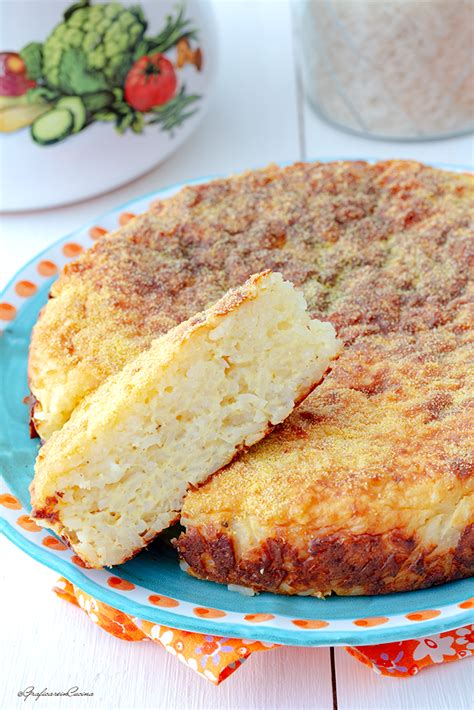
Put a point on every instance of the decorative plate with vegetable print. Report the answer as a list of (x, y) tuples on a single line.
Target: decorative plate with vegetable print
[(95, 93), (152, 585)]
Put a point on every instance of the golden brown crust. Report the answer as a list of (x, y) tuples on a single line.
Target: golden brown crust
[(329, 228)]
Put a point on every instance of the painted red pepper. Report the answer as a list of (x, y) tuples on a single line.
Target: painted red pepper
[(14, 80)]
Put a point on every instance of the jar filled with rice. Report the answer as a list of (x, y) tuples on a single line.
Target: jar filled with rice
[(399, 69)]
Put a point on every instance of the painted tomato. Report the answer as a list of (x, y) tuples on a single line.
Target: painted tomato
[(150, 82)]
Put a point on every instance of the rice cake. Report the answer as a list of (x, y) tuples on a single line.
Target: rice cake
[(368, 488)]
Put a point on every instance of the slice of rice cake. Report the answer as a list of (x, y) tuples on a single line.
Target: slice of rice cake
[(116, 474)]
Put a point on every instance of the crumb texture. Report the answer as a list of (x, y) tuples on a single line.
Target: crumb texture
[(117, 472)]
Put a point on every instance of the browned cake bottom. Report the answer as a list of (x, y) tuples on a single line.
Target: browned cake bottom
[(343, 563)]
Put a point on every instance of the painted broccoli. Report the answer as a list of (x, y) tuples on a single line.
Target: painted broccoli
[(92, 49)]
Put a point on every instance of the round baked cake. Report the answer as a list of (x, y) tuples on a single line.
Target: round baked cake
[(369, 486)]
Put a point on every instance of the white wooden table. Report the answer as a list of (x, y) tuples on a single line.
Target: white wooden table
[(257, 116)]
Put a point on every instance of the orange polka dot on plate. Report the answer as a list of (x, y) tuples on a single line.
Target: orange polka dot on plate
[(53, 543), (159, 600), (206, 613), (423, 615), (468, 604), (25, 288), (7, 311), (9, 501), (47, 268), (77, 561), (371, 621), (72, 249), (125, 217), (258, 618), (310, 623), (25, 522), (97, 232), (122, 584)]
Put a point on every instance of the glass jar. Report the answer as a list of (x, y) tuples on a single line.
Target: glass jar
[(396, 69)]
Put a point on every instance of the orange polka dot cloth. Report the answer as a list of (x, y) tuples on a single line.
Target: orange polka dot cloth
[(216, 658)]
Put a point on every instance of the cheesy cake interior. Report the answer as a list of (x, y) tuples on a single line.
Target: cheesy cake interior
[(115, 475)]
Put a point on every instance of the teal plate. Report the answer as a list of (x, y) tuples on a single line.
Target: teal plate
[(152, 586)]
